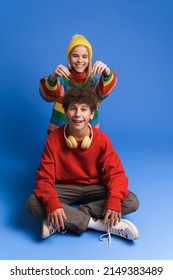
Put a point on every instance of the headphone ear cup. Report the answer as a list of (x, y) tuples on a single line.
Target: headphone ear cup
[(72, 141), (86, 142)]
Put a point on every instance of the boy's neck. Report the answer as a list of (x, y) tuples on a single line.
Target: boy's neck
[(79, 135)]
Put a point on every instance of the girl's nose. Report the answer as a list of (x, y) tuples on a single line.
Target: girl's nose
[(79, 58)]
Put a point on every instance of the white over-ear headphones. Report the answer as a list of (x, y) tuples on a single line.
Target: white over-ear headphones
[(72, 143)]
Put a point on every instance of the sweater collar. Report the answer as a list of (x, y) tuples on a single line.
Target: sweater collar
[(78, 77)]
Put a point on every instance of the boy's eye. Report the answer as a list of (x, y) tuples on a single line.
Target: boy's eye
[(84, 109)]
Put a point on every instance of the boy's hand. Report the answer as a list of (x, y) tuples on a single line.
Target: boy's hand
[(113, 216), (56, 218), (100, 67)]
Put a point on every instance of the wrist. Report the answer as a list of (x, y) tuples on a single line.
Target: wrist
[(105, 77), (53, 77), (107, 72), (51, 82)]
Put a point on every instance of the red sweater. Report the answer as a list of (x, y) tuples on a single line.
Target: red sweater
[(98, 164)]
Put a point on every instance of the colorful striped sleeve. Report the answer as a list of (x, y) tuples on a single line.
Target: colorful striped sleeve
[(50, 91), (106, 84)]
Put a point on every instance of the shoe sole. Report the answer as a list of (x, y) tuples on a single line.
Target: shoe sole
[(133, 227), (45, 230)]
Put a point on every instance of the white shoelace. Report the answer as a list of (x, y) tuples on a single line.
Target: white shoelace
[(106, 236)]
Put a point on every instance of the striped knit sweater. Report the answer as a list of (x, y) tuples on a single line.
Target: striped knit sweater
[(54, 92)]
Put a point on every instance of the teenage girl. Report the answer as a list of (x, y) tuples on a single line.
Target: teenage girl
[(81, 71)]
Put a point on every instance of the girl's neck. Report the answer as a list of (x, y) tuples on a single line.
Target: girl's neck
[(78, 77)]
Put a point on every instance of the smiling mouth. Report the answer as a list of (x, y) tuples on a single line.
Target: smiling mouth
[(77, 121), (80, 65)]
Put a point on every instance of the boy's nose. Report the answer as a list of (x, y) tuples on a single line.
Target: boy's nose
[(77, 113)]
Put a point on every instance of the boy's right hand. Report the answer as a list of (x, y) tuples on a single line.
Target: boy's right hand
[(60, 70), (56, 218)]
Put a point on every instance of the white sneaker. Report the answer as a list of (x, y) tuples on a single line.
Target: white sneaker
[(47, 229), (125, 229)]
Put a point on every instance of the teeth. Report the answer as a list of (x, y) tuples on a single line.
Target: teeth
[(77, 121)]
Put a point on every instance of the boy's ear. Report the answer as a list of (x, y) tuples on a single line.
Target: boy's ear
[(92, 116)]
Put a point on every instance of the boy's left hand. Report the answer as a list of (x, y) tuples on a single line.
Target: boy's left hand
[(113, 216)]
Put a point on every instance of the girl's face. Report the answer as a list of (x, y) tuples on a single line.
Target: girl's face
[(79, 58)]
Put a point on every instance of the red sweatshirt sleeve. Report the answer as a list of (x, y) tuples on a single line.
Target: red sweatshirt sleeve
[(45, 181), (114, 178)]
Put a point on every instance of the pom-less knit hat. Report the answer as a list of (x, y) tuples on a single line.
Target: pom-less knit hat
[(77, 40)]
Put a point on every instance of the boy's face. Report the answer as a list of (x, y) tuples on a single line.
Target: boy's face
[(78, 116)]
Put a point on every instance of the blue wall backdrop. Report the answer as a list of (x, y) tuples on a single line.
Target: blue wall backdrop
[(133, 37)]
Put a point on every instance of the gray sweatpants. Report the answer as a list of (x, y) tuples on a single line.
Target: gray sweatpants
[(92, 199)]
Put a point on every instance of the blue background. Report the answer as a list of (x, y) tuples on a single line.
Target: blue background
[(133, 37)]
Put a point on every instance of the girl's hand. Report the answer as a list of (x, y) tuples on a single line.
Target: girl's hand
[(100, 67), (60, 70)]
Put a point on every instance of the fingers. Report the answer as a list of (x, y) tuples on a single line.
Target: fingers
[(119, 216), (99, 67), (116, 218), (108, 212), (56, 222), (56, 218), (113, 217), (62, 71), (61, 219)]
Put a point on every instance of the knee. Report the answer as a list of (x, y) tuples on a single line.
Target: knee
[(30, 204), (130, 204), (35, 207), (134, 203)]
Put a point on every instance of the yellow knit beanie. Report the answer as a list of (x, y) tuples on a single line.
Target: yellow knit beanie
[(77, 40)]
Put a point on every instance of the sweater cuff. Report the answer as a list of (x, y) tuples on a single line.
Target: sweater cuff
[(113, 203), (107, 78), (52, 205), (50, 83)]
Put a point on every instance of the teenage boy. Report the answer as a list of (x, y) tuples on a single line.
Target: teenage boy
[(79, 165)]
